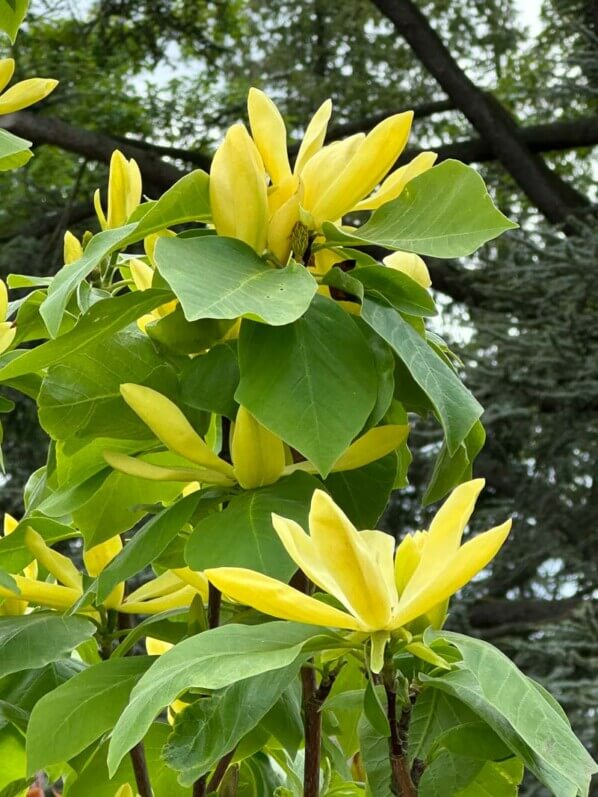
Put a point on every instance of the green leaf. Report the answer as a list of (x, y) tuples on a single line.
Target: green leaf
[(456, 408), (284, 721), (91, 771), (445, 212), (242, 534), (364, 492), (210, 660), (492, 686), (375, 759), (66, 500), (147, 544), (474, 739), (103, 319), (313, 382), (374, 710), (37, 639), (458, 776), (402, 292), (449, 471), (67, 720), (433, 714), (180, 336), (12, 14), (14, 151), (187, 200), (70, 276), (215, 277), (384, 362), (26, 687), (81, 396), (213, 726), (12, 757), (209, 382)]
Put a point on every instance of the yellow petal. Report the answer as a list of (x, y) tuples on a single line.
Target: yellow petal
[(7, 70), (10, 524), (179, 599), (3, 300), (171, 427), (125, 791), (407, 558), (25, 93), (7, 335), (347, 556), (72, 249), (315, 134), (157, 473), (395, 182), (270, 134), (99, 557), (258, 454), (194, 579), (141, 273), (164, 584), (323, 168), (55, 563), (97, 203), (133, 187), (448, 524), (281, 228), (458, 569), (156, 647), (374, 444), (378, 642), (238, 195), (41, 593), (117, 190), (410, 264), (382, 547), (272, 597), (373, 159)]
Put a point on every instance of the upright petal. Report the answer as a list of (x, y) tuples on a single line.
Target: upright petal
[(272, 597), (382, 546), (407, 559), (324, 167), (270, 134), (7, 70), (133, 187), (117, 190), (3, 300), (314, 137), (392, 187), (258, 454), (238, 195), (458, 569), (72, 249), (98, 558), (447, 526), (344, 553), (370, 163), (141, 273), (171, 427)]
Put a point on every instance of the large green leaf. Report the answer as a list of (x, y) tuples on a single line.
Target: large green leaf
[(213, 726), (81, 396), (444, 212), (36, 639), (12, 757), (209, 382), (374, 755), (492, 686), (458, 776), (70, 276), (12, 13), (456, 408), (103, 319), (147, 544), (212, 660), (187, 200), (313, 382), (215, 277), (67, 720), (26, 687), (433, 714), (14, 151), (449, 471), (242, 534)]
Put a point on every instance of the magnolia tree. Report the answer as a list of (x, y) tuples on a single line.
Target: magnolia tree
[(228, 377)]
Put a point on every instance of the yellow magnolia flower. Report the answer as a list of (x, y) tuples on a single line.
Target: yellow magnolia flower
[(72, 248), (7, 328), (124, 192), (325, 183), (174, 589), (258, 456), (379, 593), (22, 94)]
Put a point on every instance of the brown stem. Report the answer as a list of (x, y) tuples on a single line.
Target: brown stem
[(313, 699), (142, 780), (220, 771), (399, 765), (200, 787)]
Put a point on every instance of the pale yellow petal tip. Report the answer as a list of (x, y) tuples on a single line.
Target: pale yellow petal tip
[(156, 647)]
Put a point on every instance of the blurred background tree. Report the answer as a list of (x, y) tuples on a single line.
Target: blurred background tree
[(510, 86)]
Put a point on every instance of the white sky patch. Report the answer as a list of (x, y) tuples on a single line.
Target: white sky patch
[(530, 14)]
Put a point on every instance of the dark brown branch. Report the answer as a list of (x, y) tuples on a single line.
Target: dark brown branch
[(549, 193), (138, 761), (397, 743), (313, 698)]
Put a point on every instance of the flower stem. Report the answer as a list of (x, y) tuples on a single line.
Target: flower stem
[(397, 744), (313, 699), (137, 755)]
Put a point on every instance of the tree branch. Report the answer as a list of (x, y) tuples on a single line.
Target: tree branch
[(550, 194)]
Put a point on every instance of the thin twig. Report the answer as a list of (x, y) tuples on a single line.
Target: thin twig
[(139, 763), (401, 776)]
